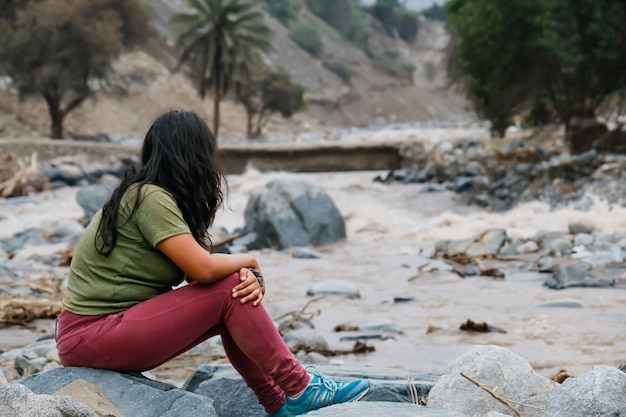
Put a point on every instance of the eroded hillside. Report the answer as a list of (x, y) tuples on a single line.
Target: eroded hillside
[(144, 84)]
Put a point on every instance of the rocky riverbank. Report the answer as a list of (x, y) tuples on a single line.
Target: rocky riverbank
[(486, 381), (418, 280), (515, 173)]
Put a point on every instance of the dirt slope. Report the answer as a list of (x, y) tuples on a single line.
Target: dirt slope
[(144, 85)]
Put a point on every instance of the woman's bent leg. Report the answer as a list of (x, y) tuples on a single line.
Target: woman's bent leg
[(157, 330), (270, 396)]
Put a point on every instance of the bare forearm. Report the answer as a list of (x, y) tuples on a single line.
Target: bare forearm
[(219, 265), (198, 264)]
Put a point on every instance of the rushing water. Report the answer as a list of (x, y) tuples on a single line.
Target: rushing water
[(391, 231)]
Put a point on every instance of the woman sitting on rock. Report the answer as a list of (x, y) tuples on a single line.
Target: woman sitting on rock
[(120, 309)]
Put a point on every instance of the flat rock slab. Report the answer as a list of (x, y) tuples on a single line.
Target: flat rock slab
[(233, 398), (383, 409), (132, 394)]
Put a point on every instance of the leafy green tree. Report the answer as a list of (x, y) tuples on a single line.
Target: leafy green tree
[(220, 40), (265, 92), (407, 24), (567, 55), (396, 19), (58, 49), (585, 43), (385, 12), (495, 45), (435, 12)]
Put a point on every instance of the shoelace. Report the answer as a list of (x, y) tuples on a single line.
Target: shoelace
[(329, 384)]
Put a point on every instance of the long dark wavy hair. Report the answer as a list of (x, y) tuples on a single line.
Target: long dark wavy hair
[(179, 154)]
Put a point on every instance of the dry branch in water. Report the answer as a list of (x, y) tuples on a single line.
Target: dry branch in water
[(297, 315), (346, 327), (458, 261), (358, 347), (504, 401), (561, 376), (482, 327)]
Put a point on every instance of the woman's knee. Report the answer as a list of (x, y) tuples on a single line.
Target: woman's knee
[(226, 283)]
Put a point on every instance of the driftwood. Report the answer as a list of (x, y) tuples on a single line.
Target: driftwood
[(296, 315), (18, 179), (346, 327), (51, 286), (561, 376), (16, 311), (359, 347), (492, 392), (481, 327), (66, 256), (488, 272), (21, 311), (458, 261)]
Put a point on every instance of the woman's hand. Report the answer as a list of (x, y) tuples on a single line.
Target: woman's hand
[(249, 289)]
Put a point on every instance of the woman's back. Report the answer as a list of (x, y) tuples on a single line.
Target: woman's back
[(135, 270)]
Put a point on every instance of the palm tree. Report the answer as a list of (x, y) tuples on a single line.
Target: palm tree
[(219, 40)]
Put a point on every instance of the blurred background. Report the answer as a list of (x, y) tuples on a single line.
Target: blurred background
[(85, 69), (267, 68)]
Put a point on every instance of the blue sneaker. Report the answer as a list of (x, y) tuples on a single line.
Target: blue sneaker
[(281, 412), (322, 392)]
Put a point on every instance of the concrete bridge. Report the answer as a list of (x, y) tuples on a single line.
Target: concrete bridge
[(290, 157)]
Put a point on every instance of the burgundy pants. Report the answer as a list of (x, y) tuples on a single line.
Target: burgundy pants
[(157, 330)]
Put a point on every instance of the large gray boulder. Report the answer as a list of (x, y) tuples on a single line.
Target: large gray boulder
[(132, 394), (492, 366), (232, 397), (91, 198), (576, 276), (488, 242), (599, 392), (18, 400), (335, 287), (288, 212)]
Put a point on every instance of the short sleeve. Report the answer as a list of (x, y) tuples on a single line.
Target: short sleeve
[(158, 216)]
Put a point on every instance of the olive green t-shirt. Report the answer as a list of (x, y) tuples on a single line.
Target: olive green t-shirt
[(135, 271)]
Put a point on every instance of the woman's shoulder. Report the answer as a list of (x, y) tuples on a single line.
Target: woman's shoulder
[(151, 189), (149, 192)]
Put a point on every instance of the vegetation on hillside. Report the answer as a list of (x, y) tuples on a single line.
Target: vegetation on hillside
[(266, 92), (57, 49), (345, 16), (62, 50), (284, 10), (308, 38), (352, 23), (396, 19), (221, 41), (435, 12), (544, 59)]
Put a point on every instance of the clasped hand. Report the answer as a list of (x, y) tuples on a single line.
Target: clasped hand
[(249, 289)]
